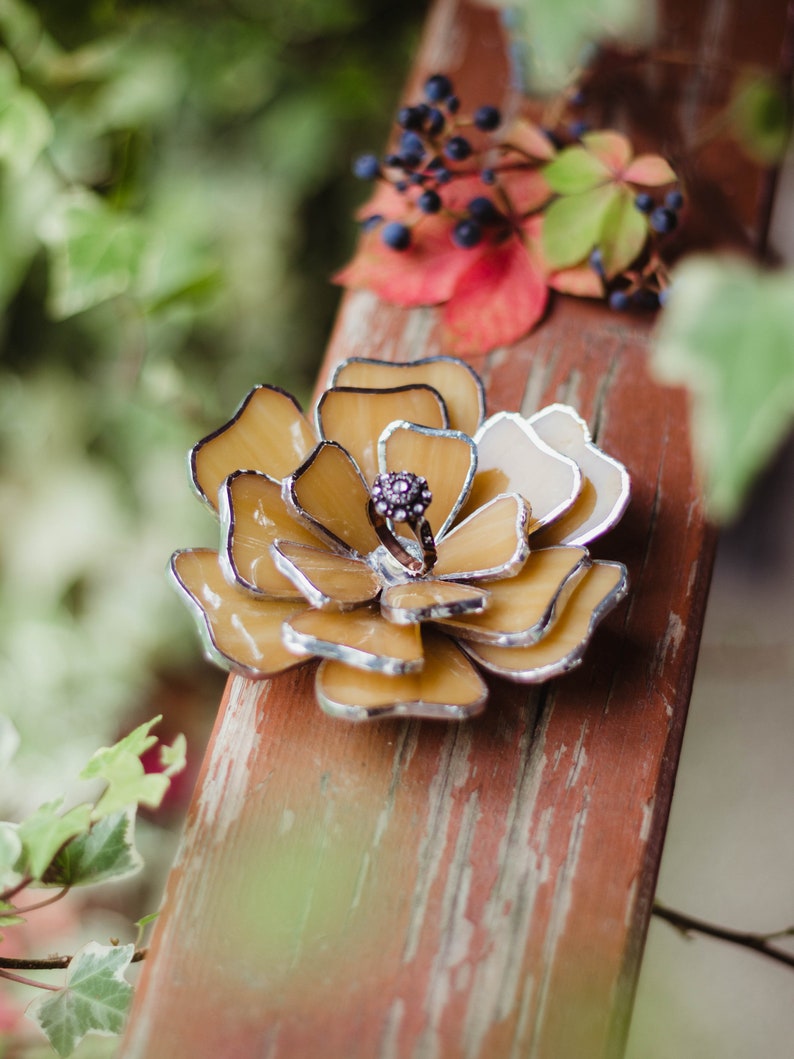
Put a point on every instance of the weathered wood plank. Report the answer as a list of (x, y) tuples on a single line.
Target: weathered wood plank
[(474, 890)]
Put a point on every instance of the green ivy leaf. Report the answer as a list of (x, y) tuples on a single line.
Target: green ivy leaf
[(573, 224), (105, 852), (95, 999), (10, 852), (95, 251), (727, 334), (8, 917), (174, 758), (127, 781), (25, 129), (575, 170), (624, 231), (43, 834)]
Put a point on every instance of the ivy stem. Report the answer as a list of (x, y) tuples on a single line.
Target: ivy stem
[(12, 891), (51, 963), (28, 981), (757, 942), (42, 904)]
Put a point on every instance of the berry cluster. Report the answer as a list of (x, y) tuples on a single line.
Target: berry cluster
[(646, 287), (434, 142)]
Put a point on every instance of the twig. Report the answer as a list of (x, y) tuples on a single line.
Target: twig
[(28, 981), (42, 904), (50, 963), (757, 942)]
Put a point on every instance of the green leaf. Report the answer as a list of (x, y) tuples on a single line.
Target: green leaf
[(95, 999), (761, 119), (10, 852), (105, 852), (727, 334), (572, 225), (174, 758), (96, 252), (43, 834), (11, 919), (127, 781), (624, 231), (25, 129), (575, 170)]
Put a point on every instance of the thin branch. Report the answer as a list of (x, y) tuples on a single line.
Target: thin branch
[(12, 891), (43, 904), (757, 942), (28, 981), (51, 963)]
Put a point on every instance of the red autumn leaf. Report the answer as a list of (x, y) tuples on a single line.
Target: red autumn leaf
[(500, 297)]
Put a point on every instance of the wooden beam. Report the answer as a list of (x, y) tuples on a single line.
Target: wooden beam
[(441, 890)]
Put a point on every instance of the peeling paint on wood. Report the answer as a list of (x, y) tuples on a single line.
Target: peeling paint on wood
[(411, 890)]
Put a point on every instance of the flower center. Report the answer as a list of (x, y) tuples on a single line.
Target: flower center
[(401, 496)]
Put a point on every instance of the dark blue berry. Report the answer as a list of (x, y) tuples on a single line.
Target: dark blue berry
[(368, 223), (619, 301), (578, 128), (552, 137), (429, 202), (410, 117), (663, 220), (487, 118), (466, 234), (438, 88), (645, 299), (366, 167), (443, 176), (393, 161), (674, 199), (483, 211), (644, 202), (416, 178), (435, 121), (488, 176), (401, 185), (396, 235), (457, 148), (435, 163), (579, 98), (411, 159), (597, 261), (412, 142), (453, 104)]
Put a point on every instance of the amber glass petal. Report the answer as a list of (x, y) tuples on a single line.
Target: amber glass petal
[(355, 419), (446, 458), (522, 608), (254, 515), (562, 648), (239, 632), (415, 601), (513, 459), (447, 687), (267, 433), (605, 494), (331, 495), (360, 637), (492, 542), (457, 383), (327, 580)]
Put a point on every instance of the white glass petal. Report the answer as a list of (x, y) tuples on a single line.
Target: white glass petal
[(327, 580), (414, 601), (604, 585), (448, 687), (239, 632), (360, 638), (522, 608), (491, 542), (606, 489), (356, 418), (253, 515), (512, 458), (458, 384), (446, 458), (330, 494), (268, 433)]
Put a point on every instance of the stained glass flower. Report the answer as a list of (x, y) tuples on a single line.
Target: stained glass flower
[(402, 539)]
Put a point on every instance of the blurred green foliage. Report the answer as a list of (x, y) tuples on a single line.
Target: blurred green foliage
[(174, 193)]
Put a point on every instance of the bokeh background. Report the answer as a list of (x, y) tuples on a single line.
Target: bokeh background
[(174, 193)]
